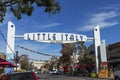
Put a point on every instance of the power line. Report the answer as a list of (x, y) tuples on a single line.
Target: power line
[(35, 51), (2, 42), (6, 43), (37, 59)]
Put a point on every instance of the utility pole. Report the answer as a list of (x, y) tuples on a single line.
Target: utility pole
[(16, 59)]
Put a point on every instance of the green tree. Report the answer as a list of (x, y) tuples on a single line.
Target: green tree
[(67, 51), (46, 65), (19, 7), (84, 56), (24, 61), (24, 65), (51, 64), (86, 59), (54, 63), (16, 57)]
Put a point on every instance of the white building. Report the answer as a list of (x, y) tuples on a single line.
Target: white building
[(39, 64)]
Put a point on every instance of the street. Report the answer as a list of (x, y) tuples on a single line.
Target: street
[(63, 77)]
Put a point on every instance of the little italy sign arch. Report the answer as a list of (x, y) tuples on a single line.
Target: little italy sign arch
[(54, 37)]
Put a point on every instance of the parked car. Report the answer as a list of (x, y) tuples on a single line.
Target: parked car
[(117, 74), (55, 72), (22, 76), (38, 72)]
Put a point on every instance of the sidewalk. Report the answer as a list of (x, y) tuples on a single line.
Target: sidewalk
[(93, 78), (109, 78)]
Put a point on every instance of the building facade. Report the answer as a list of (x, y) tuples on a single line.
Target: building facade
[(113, 55), (2, 55), (39, 64)]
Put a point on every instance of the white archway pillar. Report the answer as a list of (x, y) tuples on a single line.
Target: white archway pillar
[(97, 43), (10, 45)]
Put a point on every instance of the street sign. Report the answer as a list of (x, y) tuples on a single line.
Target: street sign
[(53, 37)]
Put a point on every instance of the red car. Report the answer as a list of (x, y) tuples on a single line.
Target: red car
[(21, 76)]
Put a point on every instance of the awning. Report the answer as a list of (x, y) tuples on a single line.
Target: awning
[(76, 66), (6, 64), (84, 65)]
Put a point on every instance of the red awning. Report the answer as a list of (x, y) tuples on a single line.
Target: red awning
[(76, 66), (5, 64), (84, 65)]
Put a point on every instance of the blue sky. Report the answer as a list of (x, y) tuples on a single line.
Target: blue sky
[(76, 16)]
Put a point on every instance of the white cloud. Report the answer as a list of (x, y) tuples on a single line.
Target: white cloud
[(101, 17), (104, 19), (51, 25)]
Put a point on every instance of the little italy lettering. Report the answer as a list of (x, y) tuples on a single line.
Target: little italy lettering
[(50, 37)]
